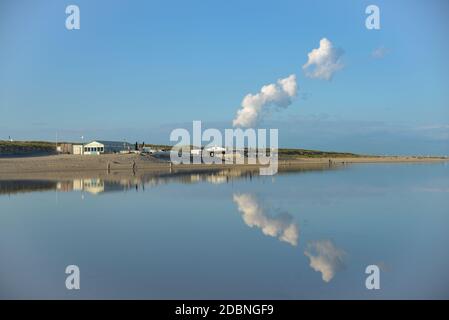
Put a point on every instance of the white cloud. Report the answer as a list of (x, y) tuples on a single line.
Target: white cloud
[(324, 61), (254, 215), (254, 106), (325, 257), (379, 53)]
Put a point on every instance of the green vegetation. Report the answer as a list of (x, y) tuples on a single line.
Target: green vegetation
[(303, 153), (288, 153), (26, 147), (158, 146)]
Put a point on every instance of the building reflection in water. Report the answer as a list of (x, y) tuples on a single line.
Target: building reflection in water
[(100, 182), (325, 257), (120, 182)]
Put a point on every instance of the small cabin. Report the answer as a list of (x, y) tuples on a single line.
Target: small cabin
[(100, 147)]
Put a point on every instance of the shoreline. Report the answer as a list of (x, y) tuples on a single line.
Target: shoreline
[(125, 162)]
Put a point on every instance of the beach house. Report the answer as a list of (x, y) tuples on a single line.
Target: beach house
[(99, 147)]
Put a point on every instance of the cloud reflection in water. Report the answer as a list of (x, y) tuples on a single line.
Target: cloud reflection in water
[(280, 226), (325, 257)]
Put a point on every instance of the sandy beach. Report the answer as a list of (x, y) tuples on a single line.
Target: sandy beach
[(126, 162)]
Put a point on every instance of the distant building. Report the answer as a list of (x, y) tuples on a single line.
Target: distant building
[(66, 148), (77, 149), (94, 147), (99, 147), (196, 152), (148, 150), (215, 151)]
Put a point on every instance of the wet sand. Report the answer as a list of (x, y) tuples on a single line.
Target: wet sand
[(77, 165)]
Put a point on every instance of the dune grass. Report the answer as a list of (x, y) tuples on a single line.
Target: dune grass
[(10, 147), (304, 153)]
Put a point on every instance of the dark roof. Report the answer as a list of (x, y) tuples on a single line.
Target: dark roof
[(117, 143)]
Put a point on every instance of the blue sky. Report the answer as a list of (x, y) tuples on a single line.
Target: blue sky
[(137, 69)]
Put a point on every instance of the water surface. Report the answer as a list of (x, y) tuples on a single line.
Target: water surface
[(229, 234)]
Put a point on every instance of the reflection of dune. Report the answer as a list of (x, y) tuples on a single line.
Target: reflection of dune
[(103, 181), (325, 257), (280, 226), (12, 186)]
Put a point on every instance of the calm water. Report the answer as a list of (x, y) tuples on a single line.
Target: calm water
[(230, 235)]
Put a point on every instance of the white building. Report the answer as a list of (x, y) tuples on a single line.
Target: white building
[(77, 149), (99, 147), (95, 147), (148, 150), (215, 151), (196, 152)]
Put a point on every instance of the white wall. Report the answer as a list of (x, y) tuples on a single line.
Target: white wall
[(77, 149), (97, 147)]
